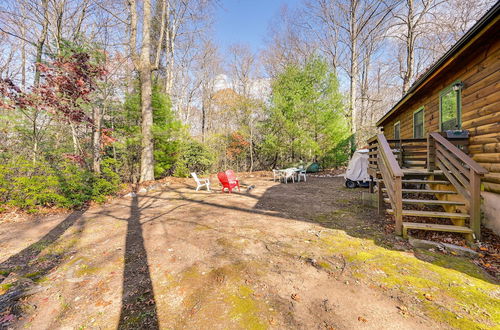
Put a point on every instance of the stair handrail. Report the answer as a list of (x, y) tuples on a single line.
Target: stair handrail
[(392, 175), (459, 153), (462, 171), (389, 158)]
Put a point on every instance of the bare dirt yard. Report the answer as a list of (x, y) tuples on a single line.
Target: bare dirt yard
[(306, 255)]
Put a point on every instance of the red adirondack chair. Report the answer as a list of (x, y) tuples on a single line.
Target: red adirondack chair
[(232, 178), (226, 183)]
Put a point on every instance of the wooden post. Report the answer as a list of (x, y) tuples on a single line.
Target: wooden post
[(475, 203), (401, 154), (431, 154), (380, 194), (398, 212)]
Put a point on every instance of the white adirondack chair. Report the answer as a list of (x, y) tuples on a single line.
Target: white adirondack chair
[(201, 182)]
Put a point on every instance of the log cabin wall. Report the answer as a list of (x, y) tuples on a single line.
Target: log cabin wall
[(478, 68)]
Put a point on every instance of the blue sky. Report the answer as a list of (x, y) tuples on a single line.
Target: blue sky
[(246, 21)]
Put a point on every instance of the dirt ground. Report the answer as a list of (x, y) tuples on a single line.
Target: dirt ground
[(306, 255)]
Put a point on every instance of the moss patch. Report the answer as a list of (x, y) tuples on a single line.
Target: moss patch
[(451, 289), (219, 295), (5, 287), (244, 308), (86, 270), (5, 272)]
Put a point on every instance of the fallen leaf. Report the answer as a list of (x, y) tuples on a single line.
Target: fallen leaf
[(482, 248), (428, 297), (362, 319), (295, 297)]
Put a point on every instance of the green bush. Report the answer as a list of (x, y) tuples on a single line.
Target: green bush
[(339, 155), (108, 183), (28, 185), (194, 157)]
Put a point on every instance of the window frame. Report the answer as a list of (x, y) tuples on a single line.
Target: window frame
[(398, 123), (422, 108), (445, 91)]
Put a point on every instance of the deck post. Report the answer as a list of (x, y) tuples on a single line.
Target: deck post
[(398, 208), (475, 203), (380, 194), (431, 154)]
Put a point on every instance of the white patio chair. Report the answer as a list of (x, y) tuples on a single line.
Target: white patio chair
[(301, 174), (201, 182), (289, 173), (276, 175)]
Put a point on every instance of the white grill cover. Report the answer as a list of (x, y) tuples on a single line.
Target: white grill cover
[(357, 170)]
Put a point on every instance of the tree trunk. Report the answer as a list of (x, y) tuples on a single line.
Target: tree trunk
[(353, 68), (147, 157), (203, 122), (75, 138), (96, 140), (23, 51), (410, 41), (251, 147), (41, 41)]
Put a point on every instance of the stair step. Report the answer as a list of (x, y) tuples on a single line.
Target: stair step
[(436, 227), (409, 171), (425, 191), (432, 214), (428, 202), (417, 181), (415, 161)]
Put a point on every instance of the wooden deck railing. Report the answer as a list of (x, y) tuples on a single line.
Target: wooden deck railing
[(391, 173), (410, 152), (462, 171)]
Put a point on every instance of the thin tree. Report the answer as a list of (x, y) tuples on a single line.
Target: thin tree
[(143, 65)]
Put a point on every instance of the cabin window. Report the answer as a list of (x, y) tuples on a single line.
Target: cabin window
[(418, 123), (397, 135), (450, 107)]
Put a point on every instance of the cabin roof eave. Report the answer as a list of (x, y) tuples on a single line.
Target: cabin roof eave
[(482, 25)]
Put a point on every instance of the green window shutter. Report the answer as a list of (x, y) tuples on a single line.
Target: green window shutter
[(418, 123)]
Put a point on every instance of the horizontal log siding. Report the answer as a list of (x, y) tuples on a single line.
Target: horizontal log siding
[(479, 69)]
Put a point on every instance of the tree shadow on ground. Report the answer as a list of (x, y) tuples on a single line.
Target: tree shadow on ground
[(26, 266), (138, 302), (344, 210), (340, 208)]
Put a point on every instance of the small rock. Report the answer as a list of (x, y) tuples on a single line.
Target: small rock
[(460, 250), (443, 247), (142, 190), (423, 244), (130, 194)]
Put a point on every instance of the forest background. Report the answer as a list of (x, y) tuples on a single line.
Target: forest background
[(97, 93)]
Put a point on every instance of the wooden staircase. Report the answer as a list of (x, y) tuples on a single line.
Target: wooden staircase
[(428, 184), (418, 195)]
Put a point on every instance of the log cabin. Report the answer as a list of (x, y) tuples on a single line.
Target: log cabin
[(437, 156)]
